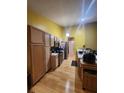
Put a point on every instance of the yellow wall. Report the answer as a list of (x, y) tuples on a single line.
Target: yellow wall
[(44, 24), (91, 36), (79, 36), (86, 35)]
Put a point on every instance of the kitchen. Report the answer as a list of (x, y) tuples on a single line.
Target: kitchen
[(50, 47)]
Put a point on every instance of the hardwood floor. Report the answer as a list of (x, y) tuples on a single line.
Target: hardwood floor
[(63, 80)]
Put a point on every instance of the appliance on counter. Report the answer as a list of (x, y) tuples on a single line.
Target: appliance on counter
[(89, 58), (87, 55), (56, 50)]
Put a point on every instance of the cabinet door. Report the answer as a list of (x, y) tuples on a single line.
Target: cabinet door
[(47, 58), (60, 58), (38, 62), (28, 51), (52, 40), (47, 39), (90, 82), (37, 36), (54, 61), (57, 63)]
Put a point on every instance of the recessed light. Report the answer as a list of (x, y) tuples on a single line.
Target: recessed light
[(82, 19), (67, 34)]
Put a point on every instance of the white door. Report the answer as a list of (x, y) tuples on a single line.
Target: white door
[(71, 48)]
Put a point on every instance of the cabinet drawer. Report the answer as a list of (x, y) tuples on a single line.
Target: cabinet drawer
[(47, 39)]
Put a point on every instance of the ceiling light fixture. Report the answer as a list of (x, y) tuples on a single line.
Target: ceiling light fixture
[(82, 19), (67, 34)]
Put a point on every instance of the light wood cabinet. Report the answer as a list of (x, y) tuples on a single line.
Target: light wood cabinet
[(47, 39), (37, 36), (47, 58), (90, 82), (89, 76), (38, 63), (28, 51), (38, 53), (60, 58), (47, 52), (54, 60), (35, 52), (52, 40)]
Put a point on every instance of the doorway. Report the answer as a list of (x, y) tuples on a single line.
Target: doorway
[(71, 46)]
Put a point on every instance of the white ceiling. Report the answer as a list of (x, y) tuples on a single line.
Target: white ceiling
[(66, 12)]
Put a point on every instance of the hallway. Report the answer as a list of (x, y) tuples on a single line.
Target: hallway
[(63, 80)]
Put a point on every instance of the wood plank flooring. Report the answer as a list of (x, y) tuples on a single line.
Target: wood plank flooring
[(62, 80)]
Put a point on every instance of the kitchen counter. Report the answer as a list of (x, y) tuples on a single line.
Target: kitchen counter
[(54, 54), (87, 73)]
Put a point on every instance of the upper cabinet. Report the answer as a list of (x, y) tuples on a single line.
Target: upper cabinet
[(47, 39), (52, 40), (57, 44), (37, 36)]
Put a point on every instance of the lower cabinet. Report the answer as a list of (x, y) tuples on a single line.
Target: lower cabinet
[(47, 58), (38, 63), (90, 82), (60, 58), (54, 60), (88, 75)]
